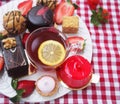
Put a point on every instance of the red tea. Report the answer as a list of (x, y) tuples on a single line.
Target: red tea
[(39, 36)]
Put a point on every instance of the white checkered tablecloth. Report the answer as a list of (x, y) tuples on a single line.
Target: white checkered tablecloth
[(105, 60)]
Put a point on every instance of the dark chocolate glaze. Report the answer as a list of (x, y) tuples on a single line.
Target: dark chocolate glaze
[(42, 19)]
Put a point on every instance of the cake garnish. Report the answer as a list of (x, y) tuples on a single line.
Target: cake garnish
[(9, 43)]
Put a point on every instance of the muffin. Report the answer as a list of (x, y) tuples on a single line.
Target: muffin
[(70, 24), (46, 85), (14, 22), (39, 16)]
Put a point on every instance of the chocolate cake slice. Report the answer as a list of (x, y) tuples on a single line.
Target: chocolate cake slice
[(15, 60), (39, 16)]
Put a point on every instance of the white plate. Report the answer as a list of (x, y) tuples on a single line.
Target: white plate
[(35, 97)]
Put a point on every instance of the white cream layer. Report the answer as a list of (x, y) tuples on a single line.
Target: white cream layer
[(46, 84)]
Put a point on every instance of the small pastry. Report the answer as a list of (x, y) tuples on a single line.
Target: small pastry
[(70, 24), (39, 16), (14, 22), (49, 3), (46, 85)]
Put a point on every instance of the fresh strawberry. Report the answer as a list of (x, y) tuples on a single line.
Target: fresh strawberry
[(99, 16), (64, 8), (93, 4), (25, 6), (1, 62), (77, 43), (28, 87), (25, 36), (105, 15), (24, 88)]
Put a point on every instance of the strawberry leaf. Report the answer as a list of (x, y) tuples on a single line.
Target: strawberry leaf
[(14, 83), (99, 17), (18, 96), (84, 44), (94, 18), (75, 6), (69, 1), (1, 36)]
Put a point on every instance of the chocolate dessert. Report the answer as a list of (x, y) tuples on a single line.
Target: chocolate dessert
[(39, 16), (14, 22), (15, 60)]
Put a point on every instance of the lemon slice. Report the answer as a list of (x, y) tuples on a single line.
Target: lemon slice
[(51, 52)]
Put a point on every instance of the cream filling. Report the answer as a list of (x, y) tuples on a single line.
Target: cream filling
[(46, 84)]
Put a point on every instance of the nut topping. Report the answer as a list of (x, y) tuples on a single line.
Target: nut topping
[(9, 43)]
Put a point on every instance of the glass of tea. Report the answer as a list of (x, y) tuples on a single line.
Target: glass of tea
[(47, 47)]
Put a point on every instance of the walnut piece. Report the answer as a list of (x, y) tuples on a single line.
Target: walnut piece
[(9, 43)]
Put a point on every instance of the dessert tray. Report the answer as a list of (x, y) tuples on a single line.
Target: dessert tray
[(5, 85)]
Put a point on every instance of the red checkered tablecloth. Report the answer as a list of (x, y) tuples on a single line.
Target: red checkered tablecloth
[(105, 60)]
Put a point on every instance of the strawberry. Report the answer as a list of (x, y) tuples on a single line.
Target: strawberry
[(25, 6), (25, 36), (99, 16), (64, 8), (1, 62), (28, 87), (24, 88), (77, 43), (93, 4), (105, 15)]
